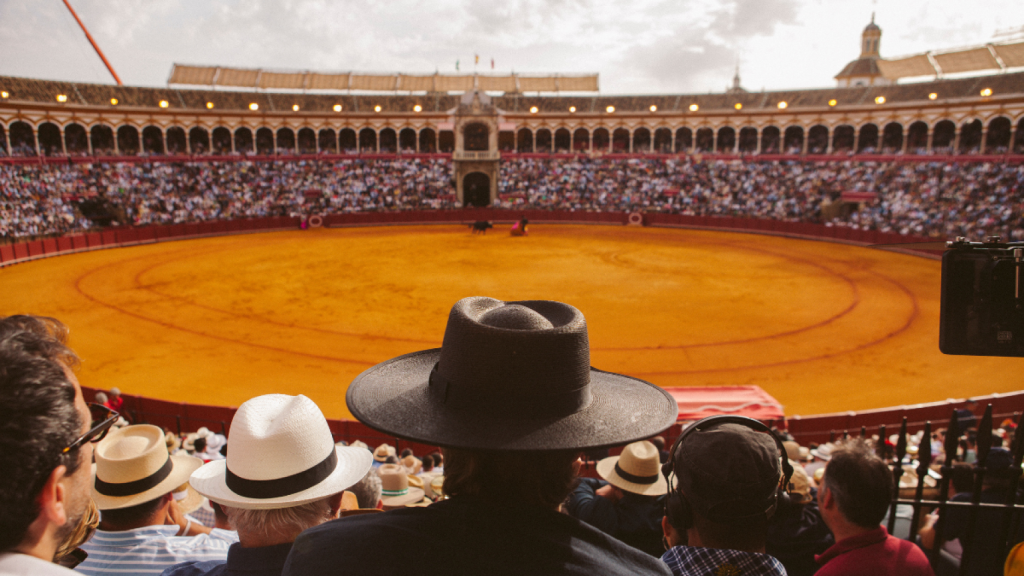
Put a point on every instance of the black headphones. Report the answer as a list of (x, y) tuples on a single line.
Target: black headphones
[(678, 509)]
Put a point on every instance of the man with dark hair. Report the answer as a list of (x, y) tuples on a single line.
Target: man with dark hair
[(854, 496), (726, 477), (46, 446), (512, 399)]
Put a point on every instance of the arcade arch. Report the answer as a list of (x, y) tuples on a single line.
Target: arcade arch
[(49, 140), (581, 140), (128, 140), (198, 140), (176, 140), (76, 141), (663, 141), (428, 141), (327, 141), (563, 141)]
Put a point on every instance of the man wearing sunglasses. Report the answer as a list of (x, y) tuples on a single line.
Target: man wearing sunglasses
[(45, 448)]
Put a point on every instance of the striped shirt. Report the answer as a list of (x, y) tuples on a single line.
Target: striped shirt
[(150, 550)]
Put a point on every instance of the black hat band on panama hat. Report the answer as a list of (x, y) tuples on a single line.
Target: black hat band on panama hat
[(136, 486), (531, 357)]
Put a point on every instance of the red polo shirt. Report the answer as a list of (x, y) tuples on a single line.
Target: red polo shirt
[(875, 553)]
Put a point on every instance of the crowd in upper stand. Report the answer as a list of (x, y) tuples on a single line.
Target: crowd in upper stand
[(922, 198)]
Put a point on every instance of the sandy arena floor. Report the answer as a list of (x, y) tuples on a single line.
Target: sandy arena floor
[(823, 327)]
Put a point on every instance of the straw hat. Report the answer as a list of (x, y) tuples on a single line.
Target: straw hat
[(187, 498), (133, 466), (636, 470), (437, 486), (282, 455), (190, 438), (799, 484), (412, 464), (824, 451), (359, 444), (395, 489), (509, 376), (382, 452), (173, 442)]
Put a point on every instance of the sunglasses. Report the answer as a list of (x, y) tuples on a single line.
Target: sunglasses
[(106, 418)]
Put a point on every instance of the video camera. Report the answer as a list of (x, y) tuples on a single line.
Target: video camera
[(981, 312)]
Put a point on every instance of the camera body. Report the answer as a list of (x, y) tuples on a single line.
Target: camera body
[(981, 304)]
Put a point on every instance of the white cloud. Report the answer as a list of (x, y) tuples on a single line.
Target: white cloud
[(643, 46)]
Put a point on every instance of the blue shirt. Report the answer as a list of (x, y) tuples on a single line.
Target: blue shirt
[(150, 550), (693, 561), (260, 561)]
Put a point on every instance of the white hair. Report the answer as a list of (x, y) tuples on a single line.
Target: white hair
[(280, 521)]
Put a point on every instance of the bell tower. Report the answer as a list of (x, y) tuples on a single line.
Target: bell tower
[(476, 153)]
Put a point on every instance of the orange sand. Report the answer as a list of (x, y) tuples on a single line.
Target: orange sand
[(823, 327)]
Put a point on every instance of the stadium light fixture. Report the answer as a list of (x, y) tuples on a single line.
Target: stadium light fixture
[(880, 100), (572, 109), (933, 96), (377, 108), (254, 106), (113, 101), (533, 109), (164, 104), (783, 105), (986, 92), (610, 109), (62, 98), (209, 105), (654, 108), (5, 94), (337, 107), (417, 108), (694, 107), (833, 102), (295, 107), (738, 106)]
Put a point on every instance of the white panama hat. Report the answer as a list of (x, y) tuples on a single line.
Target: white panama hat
[(282, 455)]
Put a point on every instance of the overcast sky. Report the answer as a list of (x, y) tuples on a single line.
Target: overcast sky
[(637, 46)]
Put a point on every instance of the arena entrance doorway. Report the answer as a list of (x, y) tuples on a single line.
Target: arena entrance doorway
[(476, 190)]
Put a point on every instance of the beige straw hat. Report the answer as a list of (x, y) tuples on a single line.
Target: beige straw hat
[(133, 467), (395, 489), (382, 452), (413, 465), (282, 455), (187, 498), (636, 470)]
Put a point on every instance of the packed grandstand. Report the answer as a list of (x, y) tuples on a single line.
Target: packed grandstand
[(937, 198)]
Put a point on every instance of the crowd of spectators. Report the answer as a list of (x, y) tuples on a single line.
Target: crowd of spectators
[(731, 495), (922, 198)]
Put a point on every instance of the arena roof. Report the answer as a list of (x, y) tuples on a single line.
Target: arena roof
[(218, 76), (978, 59)]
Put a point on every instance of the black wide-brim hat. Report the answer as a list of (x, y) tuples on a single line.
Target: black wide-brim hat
[(509, 376)]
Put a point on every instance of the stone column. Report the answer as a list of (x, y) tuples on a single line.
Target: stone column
[(984, 140), (803, 142), (906, 138), (956, 139), (1013, 138), (830, 137), (931, 139)]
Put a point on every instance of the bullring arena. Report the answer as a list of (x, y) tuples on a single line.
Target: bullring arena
[(821, 326)]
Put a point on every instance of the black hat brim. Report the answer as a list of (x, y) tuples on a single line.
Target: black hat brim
[(393, 397)]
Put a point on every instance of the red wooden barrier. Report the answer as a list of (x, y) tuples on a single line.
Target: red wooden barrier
[(6, 252), (65, 244), (35, 247), (109, 237), (49, 246), (20, 251)]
